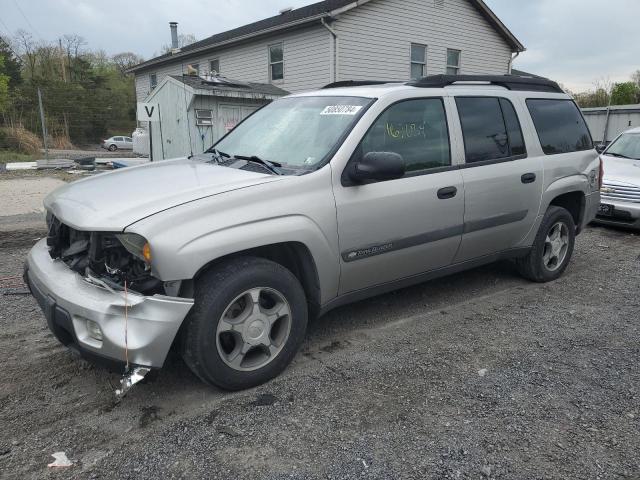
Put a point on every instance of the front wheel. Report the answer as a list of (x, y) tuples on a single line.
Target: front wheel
[(552, 249), (248, 322)]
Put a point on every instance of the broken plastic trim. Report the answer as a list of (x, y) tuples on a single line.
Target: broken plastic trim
[(130, 379)]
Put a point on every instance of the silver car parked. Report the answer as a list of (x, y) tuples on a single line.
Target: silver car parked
[(314, 201), (621, 186), (117, 143)]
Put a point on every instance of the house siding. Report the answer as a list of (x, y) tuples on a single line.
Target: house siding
[(375, 39), (307, 58)]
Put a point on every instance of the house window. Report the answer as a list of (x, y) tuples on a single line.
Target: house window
[(153, 80), (196, 67), (214, 66), (453, 62), (276, 62), (204, 117), (418, 61)]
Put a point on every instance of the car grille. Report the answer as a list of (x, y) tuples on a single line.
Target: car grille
[(618, 191)]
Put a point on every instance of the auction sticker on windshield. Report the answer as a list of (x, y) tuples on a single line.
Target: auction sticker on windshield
[(341, 110)]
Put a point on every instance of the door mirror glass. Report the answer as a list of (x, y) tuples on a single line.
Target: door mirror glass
[(378, 166)]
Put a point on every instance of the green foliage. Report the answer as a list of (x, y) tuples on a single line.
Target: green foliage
[(597, 98), (4, 87), (86, 95), (625, 93)]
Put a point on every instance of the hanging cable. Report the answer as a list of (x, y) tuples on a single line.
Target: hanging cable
[(126, 327)]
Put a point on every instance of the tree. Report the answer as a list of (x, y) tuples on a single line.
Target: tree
[(624, 93), (11, 63), (4, 87), (125, 60)]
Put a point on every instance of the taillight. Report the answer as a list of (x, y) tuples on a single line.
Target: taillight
[(601, 174)]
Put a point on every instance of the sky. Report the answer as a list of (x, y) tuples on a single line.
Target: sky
[(575, 42)]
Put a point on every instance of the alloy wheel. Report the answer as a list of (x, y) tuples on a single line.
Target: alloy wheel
[(556, 246), (253, 329)]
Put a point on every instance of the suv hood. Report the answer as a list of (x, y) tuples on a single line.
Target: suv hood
[(114, 200), (625, 170)]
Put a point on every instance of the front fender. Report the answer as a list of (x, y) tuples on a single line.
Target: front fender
[(193, 255), (186, 238)]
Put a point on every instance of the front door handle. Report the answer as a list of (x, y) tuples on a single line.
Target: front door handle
[(528, 178), (447, 192)]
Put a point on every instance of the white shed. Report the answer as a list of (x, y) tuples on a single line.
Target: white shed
[(194, 112), (607, 123)]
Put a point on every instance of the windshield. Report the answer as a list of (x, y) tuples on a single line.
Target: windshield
[(298, 132), (626, 146)]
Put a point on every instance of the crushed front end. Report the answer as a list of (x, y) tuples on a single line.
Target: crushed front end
[(100, 298)]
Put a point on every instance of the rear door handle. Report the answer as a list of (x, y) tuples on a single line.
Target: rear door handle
[(528, 178), (447, 192)]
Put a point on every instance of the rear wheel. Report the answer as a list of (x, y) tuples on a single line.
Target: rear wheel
[(552, 249), (248, 321), (113, 148)]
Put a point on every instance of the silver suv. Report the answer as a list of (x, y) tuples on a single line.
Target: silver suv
[(314, 201)]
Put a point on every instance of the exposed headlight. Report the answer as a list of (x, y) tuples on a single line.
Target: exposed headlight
[(136, 245)]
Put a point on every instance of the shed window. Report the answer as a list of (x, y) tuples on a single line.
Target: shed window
[(204, 117), (276, 62), (153, 80), (418, 61), (214, 66), (453, 62)]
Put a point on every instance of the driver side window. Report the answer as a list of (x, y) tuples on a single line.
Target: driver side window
[(415, 129)]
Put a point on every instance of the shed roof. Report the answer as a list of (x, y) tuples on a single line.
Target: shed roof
[(226, 85), (299, 16)]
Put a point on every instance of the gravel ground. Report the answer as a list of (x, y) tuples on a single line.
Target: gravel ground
[(477, 375)]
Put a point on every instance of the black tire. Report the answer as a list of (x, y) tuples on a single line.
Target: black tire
[(533, 267), (113, 148), (214, 291)]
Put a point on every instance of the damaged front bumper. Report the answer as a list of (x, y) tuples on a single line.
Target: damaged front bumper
[(71, 303)]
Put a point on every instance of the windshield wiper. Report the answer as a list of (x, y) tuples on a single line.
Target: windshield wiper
[(218, 155), (271, 166)]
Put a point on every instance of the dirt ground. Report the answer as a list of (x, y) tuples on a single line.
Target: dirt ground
[(479, 375)]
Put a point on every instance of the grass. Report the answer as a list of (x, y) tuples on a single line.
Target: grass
[(10, 157)]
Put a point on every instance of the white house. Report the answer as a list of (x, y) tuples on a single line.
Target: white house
[(337, 40)]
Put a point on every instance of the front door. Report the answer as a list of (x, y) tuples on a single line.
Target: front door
[(502, 183), (395, 229)]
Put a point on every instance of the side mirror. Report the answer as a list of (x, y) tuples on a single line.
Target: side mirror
[(601, 147), (378, 166)]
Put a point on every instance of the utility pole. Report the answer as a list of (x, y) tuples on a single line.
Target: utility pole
[(44, 126)]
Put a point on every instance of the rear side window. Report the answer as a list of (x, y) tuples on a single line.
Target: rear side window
[(490, 128), (416, 129), (560, 126)]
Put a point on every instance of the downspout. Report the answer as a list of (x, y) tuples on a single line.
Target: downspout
[(511, 60), (334, 35)]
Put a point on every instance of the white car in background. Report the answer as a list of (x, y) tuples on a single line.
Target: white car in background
[(621, 186), (117, 143)]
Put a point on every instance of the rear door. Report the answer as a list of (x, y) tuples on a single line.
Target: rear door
[(503, 184), (390, 230)]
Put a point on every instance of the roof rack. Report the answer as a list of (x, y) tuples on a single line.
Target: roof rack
[(510, 82), (358, 83)]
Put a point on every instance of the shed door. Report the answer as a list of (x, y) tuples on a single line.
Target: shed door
[(231, 115)]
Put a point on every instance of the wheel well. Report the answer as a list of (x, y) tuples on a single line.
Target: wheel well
[(295, 257), (574, 203)]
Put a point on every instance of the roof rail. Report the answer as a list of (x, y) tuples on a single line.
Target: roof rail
[(358, 83), (510, 82)]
